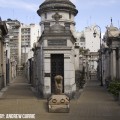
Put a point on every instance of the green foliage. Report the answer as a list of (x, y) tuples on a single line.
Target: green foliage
[(114, 88)]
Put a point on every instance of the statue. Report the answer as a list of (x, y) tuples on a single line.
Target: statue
[(58, 102), (58, 84)]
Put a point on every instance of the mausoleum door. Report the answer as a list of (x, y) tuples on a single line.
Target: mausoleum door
[(57, 68)]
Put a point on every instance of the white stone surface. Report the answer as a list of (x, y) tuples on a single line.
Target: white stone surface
[(69, 70), (47, 66), (68, 74), (44, 59), (47, 81), (65, 18)]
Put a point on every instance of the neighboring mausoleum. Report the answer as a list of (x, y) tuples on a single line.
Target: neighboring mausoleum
[(3, 33), (111, 54)]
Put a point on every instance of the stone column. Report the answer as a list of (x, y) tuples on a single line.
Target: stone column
[(4, 64), (1, 55), (109, 68), (0, 58), (0, 64), (119, 62), (108, 63), (19, 47), (114, 63), (77, 58), (103, 66)]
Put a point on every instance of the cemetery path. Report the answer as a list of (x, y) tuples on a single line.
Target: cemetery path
[(94, 103)]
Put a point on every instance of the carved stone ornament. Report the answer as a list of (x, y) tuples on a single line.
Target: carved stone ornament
[(57, 17), (58, 84)]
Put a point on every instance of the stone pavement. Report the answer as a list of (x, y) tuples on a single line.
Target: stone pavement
[(95, 103)]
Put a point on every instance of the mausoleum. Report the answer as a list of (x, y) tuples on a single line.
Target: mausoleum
[(56, 52)]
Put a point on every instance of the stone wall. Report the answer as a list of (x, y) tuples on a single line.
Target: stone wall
[(3, 32)]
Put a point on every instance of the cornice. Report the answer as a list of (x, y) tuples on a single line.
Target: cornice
[(52, 5)]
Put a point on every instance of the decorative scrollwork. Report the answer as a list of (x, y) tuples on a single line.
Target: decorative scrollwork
[(62, 101), (54, 101)]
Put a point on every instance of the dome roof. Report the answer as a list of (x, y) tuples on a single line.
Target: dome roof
[(52, 5), (112, 28), (111, 32)]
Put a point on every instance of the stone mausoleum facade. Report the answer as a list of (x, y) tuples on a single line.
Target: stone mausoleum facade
[(65, 8), (111, 55), (3, 33), (56, 52)]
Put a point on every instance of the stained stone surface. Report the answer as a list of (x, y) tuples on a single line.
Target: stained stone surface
[(59, 104)]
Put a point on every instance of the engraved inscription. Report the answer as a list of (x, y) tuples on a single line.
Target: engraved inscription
[(47, 74), (57, 42)]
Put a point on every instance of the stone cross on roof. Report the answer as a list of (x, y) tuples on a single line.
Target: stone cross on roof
[(57, 17)]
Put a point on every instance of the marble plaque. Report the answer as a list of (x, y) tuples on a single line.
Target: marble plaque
[(57, 42)]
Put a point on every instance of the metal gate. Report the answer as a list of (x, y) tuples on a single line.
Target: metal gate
[(57, 68)]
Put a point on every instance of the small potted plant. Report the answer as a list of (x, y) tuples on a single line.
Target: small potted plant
[(114, 88)]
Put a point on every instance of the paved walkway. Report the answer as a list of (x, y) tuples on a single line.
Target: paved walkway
[(95, 103), (19, 89)]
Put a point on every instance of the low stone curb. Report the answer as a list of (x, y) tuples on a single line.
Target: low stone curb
[(3, 90)]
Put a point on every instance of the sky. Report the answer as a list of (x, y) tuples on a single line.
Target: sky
[(90, 12)]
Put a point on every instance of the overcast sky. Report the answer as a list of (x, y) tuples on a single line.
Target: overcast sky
[(90, 12)]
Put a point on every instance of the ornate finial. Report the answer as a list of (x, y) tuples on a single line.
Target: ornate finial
[(111, 21), (0, 19), (57, 17)]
